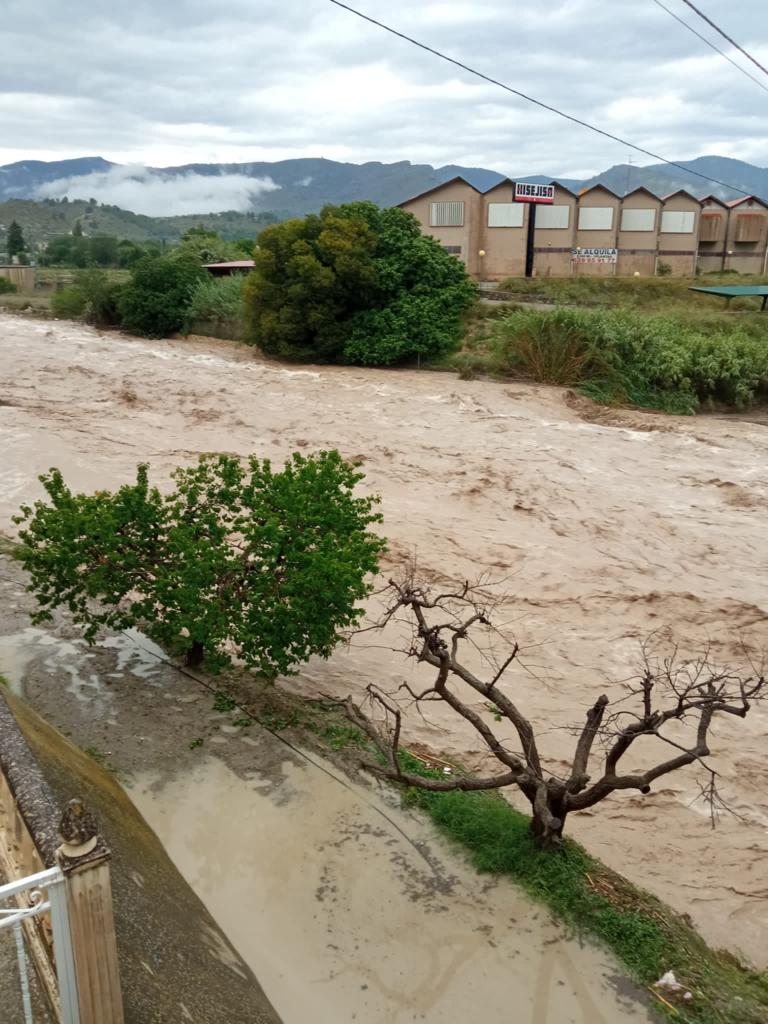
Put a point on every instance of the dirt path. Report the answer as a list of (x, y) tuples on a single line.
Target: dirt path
[(608, 526)]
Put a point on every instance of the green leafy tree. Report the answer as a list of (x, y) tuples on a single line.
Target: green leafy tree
[(238, 560), (355, 284), (15, 244), (206, 246), (103, 251), (156, 299), (77, 230)]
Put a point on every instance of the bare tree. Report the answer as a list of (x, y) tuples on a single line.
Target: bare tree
[(667, 690)]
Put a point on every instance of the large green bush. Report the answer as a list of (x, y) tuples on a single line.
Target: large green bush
[(92, 297), (355, 284), (6, 287), (652, 361), (239, 559), (155, 301)]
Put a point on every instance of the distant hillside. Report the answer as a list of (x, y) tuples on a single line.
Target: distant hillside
[(663, 179), (293, 189), (41, 221)]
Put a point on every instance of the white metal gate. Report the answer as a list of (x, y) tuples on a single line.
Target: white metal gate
[(32, 896)]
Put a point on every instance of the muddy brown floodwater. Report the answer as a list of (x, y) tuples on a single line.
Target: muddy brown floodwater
[(607, 526)]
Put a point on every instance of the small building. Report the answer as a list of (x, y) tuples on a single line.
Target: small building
[(597, 232), (20, 276), (679, 233), (638, 233), (713, 231), (453, 214), (746, 243), (504, 233), (231, 267), (555, 233)]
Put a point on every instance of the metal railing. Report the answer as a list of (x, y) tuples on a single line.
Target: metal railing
[(35, 895)]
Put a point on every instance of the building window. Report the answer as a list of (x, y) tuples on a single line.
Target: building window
[(638, 220), (553, 217), (710, 227), (678, 222), (446, 215), (505, 215), (749, 227), (454, 250), (595, 218)]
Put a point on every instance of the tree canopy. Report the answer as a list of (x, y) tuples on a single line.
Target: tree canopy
[(155, 301), (357, 284), (15, 243), (238, 560)]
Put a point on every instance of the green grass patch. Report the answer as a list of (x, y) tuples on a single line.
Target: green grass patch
[(647, 937), (644, 293)]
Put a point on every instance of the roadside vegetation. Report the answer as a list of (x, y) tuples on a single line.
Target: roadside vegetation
[(619, 356)]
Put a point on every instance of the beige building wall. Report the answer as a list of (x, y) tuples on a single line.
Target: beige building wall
[(639, 222), (713, 229), (22, 277), (553, 244), (504, 246), (747, 219), (596, 201), (467, 237), (678, 249)]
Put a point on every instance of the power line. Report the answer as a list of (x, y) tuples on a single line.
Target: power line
[(538, 103), (711, 45), (725, 35)]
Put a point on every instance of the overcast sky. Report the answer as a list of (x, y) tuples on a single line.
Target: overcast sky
[(164, 82)]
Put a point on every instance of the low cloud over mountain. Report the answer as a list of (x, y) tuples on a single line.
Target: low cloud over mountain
[(143, 190)]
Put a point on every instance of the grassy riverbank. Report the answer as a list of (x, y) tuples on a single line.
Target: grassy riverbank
[(647, 937)]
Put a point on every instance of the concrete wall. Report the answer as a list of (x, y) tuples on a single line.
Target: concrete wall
[(638, 248), (597, 238), (746, 257), (468, 236), (22, 277), (552, 245), (714, 219), (504, 246), (678, 249)]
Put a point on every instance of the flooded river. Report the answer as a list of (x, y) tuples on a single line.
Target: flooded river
[(607, 526)]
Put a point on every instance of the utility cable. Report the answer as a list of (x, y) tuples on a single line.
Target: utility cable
[(711, 45), (538, 103), (725, 36)]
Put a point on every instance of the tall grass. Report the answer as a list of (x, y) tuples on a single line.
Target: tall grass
[(620, 356), (217, 299)]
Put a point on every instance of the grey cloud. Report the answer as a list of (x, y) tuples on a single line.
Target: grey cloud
[(144, 191), (188, 81)]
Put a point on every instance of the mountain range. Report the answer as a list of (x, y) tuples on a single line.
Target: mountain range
[(290, 188)]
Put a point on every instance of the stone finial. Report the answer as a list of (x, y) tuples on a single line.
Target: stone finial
[(78, 830)]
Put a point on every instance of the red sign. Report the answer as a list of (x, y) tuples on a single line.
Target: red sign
[(527, 192)]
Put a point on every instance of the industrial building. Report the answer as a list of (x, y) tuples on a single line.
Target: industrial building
[(595, 232)]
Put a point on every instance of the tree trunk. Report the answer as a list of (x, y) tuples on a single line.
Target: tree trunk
[(548, 822), (195, 655)]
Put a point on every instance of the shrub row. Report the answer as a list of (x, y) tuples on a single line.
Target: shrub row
[(619, 356), (163, 296)]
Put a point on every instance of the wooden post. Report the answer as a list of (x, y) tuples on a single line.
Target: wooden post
[(84, 859)]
